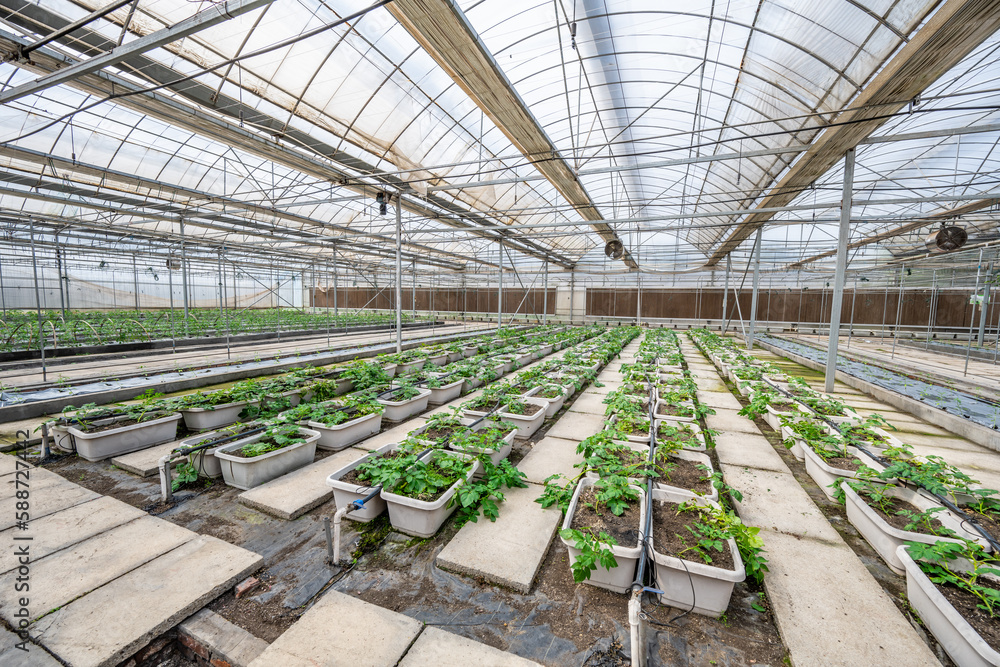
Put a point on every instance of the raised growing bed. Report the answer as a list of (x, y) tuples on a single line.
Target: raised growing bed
[(961, 642), (103, 444), (397, 411), (526, 424), (446, 392), (886, 539), (689, 584), (620, 577), (341, 436), (204, 460), (213, 417), (423, 518), (344, 493), (698, 459), (247, 473)]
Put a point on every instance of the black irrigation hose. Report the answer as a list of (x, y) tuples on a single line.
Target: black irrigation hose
[(884, 461), (221, 441)]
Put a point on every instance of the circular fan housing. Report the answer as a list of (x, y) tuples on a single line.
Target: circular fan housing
[(947, 239), (614, 249)]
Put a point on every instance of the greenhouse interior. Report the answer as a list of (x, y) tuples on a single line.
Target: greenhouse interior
[(419, 333)]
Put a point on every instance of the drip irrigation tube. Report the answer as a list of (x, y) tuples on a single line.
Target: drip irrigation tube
[(944, 501)]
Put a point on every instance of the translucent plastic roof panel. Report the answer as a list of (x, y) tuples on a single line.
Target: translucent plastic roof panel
[(618, 86)]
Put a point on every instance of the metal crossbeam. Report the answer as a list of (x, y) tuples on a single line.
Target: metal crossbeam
[(205, 19)]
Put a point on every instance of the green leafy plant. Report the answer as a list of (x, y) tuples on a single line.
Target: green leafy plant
[(939, 563), (595, 549)]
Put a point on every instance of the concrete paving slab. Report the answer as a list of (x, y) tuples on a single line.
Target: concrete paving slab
[(341, 630), (510, 550), (748, 450), (921, 440), (57, 531), (9, 464), (227, 642), (609, 375), (31, 656), (711, 384), (720, 400), (48, 496), (107, 625), (435, 647), (776, 501), (728, 420), (145, 462), (77, 570), (292, 495), (34, 478), (549, 456), (578, 427), (825, 602), (589, 402), (394, 434)]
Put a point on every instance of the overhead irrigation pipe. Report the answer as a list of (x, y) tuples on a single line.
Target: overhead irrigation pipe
[(884, 461)]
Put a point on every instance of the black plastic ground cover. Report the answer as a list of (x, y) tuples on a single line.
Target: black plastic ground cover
[(955, 349), (973, 408)]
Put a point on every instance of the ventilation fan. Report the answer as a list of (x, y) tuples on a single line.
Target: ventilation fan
[(947, 239), (173, 263), (614, 249)]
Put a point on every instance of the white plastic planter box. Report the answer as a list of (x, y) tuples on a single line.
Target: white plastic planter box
[(679, 418), (245, 473), (554, 403), (824, 474), (421, 518), (343, 386), (697, 457), (438, 359), (959, 639), (61, 437), (524, 358), (885, 539), (638, 439), (470, 351), (405, 367), (204, 460), (446, 392), (526, 426), (454, 356), (344, 494), (203, 419), (397, 411), (617, 579), (344, 435), (469, 384), (545, 350), (713, 586), (105, 444), (390, 369), (798, 443), (699, 436), (773, 417), (496, 455)]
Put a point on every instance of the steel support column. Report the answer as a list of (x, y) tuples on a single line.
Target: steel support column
[(38, 303), (756, 287), (399, 273), (841, 273), (500, 289), (545, 296), (981, 338), (725, 296)]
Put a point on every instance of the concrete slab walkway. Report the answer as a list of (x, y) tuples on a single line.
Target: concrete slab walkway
[(823, 598), (509, 551)]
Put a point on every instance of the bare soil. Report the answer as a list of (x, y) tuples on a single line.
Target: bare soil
[(671, 536), (624, 528), (897, 521), (966, 604), (687, 475), (529, 409)]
